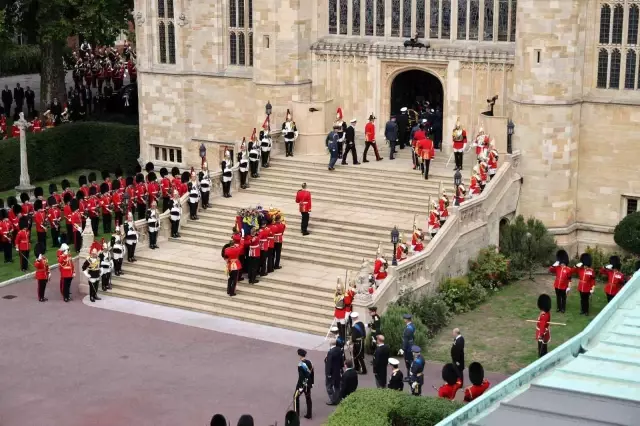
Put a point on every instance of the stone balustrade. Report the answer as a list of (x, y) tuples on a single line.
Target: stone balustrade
[(469, 228)]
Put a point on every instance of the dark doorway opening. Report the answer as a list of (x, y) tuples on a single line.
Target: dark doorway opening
[(413, 86)]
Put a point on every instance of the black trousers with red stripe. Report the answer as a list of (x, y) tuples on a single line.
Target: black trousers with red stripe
[(42, 285)]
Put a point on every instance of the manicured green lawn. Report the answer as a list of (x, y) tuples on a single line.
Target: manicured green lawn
[(497, 334)]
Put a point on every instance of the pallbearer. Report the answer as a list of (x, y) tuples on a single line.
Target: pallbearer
[(543, 333), (480, 384), (254, 256), (278, 238), (42, 271), (587, 281)]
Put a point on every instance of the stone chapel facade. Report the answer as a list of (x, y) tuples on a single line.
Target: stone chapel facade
[(565, 72)]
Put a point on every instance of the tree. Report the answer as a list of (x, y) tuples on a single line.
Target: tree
[(627, 233), (527, 244), (52, 21)]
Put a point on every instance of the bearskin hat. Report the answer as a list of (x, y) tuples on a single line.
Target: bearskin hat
[(24, 197), (37, 205), (65, 184), (67, 197), (261, 135), (115, 185), (139, 178), (11, 201), (51, 201), (75, 205), (163, 172), (449, 374), (175, 171), (476, 373), (544, 302), (562, 257), (151, 177), (38, 192), (218, 420), (52, 188), (1, 204), (615, 262), (93, 190), (16, 209), (245, 420), (82, 180), (138, 169), (149, 167), (3, 214), (585, 259), (23, 223), (200, 175), (118, 171), (129, 180), (79, 195), (92, 177), (38, 250), (185, 177), (104, 187), (105, 174)]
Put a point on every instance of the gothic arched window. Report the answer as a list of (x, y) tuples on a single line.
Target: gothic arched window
[(240, 37), (605, 23), (380, 18), (632, 27), (614, 73), (241, 49), (603, 66), (395, 18), (333, 16), (250, 49), (344, 10), (368, 18), (171, 38), (514, 9), (630, 70), (462, 19), (618, 16), (446, 19), (162, 36), (233, 49), (434, 13), (420, 17), (474, 19), (406, 19), (166, 32), (503, 20), (355, 13)]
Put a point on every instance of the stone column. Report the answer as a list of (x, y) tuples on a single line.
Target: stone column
[(25, 181)]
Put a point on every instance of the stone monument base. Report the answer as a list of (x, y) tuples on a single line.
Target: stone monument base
[(25, 188)]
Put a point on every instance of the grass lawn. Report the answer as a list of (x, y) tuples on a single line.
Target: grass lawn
[(497, 335)]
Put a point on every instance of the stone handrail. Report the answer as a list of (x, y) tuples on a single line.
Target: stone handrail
[(470, 227)]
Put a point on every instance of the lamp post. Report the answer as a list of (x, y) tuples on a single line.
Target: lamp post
[(268, 109), (203, 154), (395, 237), (510, 129)]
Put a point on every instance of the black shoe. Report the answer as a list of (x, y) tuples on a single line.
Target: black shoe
[(98, 298), (156, 247), (66, 300), (307, 416), (379, 159), (44, 299), (306, 233), (277, 267), (365, 161), (344, 164), (93, 300), (355, 164)]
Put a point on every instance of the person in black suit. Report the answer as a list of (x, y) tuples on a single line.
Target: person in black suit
[(30, 97), (304, 384), (396, 382), (403, 127), (350, 143), (333, 372), (380, 361), (18, 96), (7, 100), (457, 353), (349, 380)]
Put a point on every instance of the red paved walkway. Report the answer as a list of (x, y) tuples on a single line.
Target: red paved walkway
[(69, 364)]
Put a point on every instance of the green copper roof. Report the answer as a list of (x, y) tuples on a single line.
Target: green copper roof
[(592, 379)]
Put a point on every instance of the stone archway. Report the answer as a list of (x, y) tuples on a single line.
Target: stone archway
[(412, 86)]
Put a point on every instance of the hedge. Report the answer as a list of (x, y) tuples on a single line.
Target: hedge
[(384, 407), (71, 146), (17, 60)]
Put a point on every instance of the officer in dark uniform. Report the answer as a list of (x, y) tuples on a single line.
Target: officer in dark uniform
[(408, 337), (358, 336), (375, 325), (304, 384), (416, 375), (396, 382)]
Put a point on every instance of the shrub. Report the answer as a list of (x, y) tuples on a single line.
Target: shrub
[(460, 296), (600, 258), (627, 233), (54, 152), (490, 269), (16, 60), (431, 310), (393, 327), (527, 244), (384, 407)]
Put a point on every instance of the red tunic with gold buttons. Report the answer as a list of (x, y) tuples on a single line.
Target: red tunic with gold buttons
[(475, 391), (586, 279), (448, 391), (42, 268), (563, 276), (615, 281), (543, 333)]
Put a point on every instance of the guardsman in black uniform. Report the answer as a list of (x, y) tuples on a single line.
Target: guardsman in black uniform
[(93, 272), (205, 186), (243, 167), (358, 335), (153, 225), (375, 325), (304, 384), (106, 264), (350, 143), (194, 194), (290, 134), (227, 177), (254, 158), (396, 382)]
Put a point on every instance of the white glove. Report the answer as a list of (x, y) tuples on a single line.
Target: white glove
[(414, 385), (568, 288), (87, 274), (556, 263), (579, 265), (401, 352), (592, 290), (609, 267)]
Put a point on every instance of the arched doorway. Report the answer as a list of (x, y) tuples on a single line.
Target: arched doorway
[(413, 86)]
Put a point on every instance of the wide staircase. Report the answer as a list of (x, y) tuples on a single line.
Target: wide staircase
[(354, 210)]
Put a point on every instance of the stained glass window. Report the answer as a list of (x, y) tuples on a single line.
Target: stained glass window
[(233, 15), (333, 17), (250, 49), (240, 13), (368, 25), (172, 43), (170, 9), (406, 18), (446, 18), (380, 18), (474, 18), (240, 37), (166, 32), (160, 8), (616, 34), (420, 12), (462, 19), (632, 28), (503, 20), (355, 23), (614, 74), (163, 43), (630, 69), (605, 23), (603, 65), (434, 8), (233, 49), (251, 14), (514, 10), (395, 18), (241, 49), (344, 7), (488, 20)]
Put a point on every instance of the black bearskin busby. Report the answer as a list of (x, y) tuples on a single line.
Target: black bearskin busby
[(291, 418), (105, 174), (476, 373), (175, 171), (185, 177), (544, 302), (92, 177), (79, 195), (138, 169), (16, 209), (82, 180), (562, 257), (3, 214), (67, 197), (93, 190), (37, 205), (65, 184), (149, 167), (1, 204), (23, 223), (139, 178), (11, 201), (245, 420), (614, 261), (261, 134), (585, 259), (115, 185), (51, 201), (75, 205), (38, 250), (200, 175), (151, 177), (118, 171), (52, 188), (38, 192), (24, 197), (129, 180), (218, 420), (449, 374), (104, 187), (164, 172)]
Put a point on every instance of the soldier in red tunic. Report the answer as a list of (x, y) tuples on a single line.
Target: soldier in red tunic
[(254, 256), (587, 281), (434, 219), (475, 187), (303, 198), (452, 382), (480, 384), (543, 333), (82, 182), (93, 205), (426, 151), (615, 278), (141, 196), (417, 241), (165, 187), (340, 311), (370, 139), (263, 235), (40, 218), (23, 243), (279, 228), (562, 283), (401, 249), (42, 271), (272, 244), (459, 143), (231, 252), (461, 192), (54, 217), (380, 266)]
